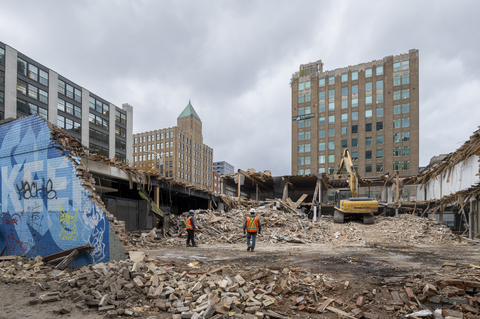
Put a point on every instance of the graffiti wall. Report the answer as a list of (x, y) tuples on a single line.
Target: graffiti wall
[(44, 208)]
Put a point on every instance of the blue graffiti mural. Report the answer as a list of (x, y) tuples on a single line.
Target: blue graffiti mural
[(44, 208)]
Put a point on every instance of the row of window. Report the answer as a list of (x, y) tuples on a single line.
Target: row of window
[(121, 157), (2, 56), (33, 72), (121, 145), (397, 95), (397, 109), (397, 137), (29, 108), (2, 99), (120, 131), (69, 125), (397, 166), (69, 91), (120, 117), (98, 121), (69, 108), (149, 138), (99, 136), (32, 91), (98, 106), (2, 78), (98, 149)]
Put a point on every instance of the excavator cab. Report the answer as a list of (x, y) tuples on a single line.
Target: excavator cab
[(340, 194)]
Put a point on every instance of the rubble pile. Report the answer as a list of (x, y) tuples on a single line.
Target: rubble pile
[(280, 227)]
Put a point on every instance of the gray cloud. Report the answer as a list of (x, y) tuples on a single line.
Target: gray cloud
[(234, 61)]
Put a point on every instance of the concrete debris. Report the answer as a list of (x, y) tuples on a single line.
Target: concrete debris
[(281, 227)]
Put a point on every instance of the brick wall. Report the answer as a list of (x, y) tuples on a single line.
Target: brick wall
[(44, 207)]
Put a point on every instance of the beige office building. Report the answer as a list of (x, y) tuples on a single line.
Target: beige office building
[(177, 152), (370, 108)]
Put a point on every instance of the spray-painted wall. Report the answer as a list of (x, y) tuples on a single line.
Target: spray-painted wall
[(44, 208)]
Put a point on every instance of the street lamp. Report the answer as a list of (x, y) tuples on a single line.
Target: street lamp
[(160, 157)]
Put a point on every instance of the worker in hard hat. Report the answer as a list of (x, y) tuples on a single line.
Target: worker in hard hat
[(190, 225), (252, 227)]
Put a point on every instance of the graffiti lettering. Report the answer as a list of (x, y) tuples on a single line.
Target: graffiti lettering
[(29, 190), (68, 224), (12, 232)]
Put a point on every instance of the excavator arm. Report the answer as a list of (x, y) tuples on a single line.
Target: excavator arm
[(348, 164)]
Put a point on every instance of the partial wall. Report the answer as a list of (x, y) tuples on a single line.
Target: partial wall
[(44, 207)]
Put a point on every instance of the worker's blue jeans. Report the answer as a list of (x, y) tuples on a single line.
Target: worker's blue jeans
[(254, 239)]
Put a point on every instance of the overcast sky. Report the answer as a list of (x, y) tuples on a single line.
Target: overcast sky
[(234, 60)]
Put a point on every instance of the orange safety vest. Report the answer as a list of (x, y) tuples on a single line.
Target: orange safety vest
[(189, 223), (252, 224)]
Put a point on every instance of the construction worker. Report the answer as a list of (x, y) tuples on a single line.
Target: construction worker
[(190, 225), (253, 227)]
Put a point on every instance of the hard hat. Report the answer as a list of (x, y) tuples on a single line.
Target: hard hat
[(192, 211), (252, 211)]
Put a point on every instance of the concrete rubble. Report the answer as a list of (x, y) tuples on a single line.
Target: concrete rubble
[(280, 227), (130, 288)]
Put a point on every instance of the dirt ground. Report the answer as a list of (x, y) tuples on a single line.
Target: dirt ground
[(366, 267)]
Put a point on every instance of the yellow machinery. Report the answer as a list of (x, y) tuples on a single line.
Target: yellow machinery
[(346, 200)]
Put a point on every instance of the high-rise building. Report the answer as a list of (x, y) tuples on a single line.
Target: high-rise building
[(370, 108), (178, 151), (28, 87), (222, 168)]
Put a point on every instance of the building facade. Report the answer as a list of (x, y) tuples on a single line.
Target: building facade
[(370, 108), (177, 152), (28, 87), (223, 168)]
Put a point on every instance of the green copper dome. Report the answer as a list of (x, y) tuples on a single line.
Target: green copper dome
[(189, 110)]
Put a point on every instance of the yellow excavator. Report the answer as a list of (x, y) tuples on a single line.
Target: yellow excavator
[(347, 204)]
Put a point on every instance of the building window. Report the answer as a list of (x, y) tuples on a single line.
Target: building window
[(406, 108), (397, 109), (379, 167), (331, 158), (321, 159), (406, 151), (379, 153), (396, 123), (379, 98), (321, 107), (396, 66), (321, 120), (98, 121), (331, 145), (2, 102), (379, 85), (98, 106), (368, 127), (307, 84), (331, 106), (379, 126), (405, 65), (307, 123), (354, 156), (321, 170), (307, 135), (301, 111), (397, 95), (331, 119), (379, 112), (301, 98), (405, 94), (344, 104), (354, 75), (307, 160), (2, 78), (122, 118), (379, 70), (406, 136), (354, 129), (98, 136), (344, 143), (406, 122), (301, 136), (396, 166), (307, 147), (331, 80), (396, 137), (301, 124), (122, 132), (21, 87), (396, 151), (368, 100), (354, 102), (301, 172), (368, 72), (345, 91), (2, 56), (301, 161), (331, 93), (321, 95), (354, 116), (368, 141), (344, 130), (301, 148), (344, 117), (22, 66), (99, 150), (354, 142), (321, 133), (368, 168), (406, 79), (321, 82), (396, 80), (331, 132), (307, 109), (69, 124), (406, 165), (379, 139), (344, 77), (368, 87), (354, 89), (368, 114), (301, 86)]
